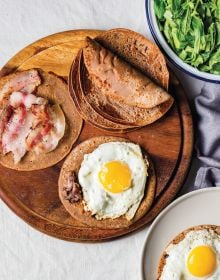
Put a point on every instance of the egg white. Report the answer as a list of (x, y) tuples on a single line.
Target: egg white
[(100, 202), (176, 268)]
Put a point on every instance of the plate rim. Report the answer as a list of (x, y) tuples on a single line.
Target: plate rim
[(163, 213)]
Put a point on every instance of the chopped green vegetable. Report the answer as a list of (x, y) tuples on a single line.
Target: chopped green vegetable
[(192, 28)]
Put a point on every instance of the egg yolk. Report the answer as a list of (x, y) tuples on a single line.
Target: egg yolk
[(115, 176), (201, 261)]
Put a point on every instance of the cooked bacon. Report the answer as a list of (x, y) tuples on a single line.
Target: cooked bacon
[(50, 129), (72, 189), (15, 133), (41, 126), (41, 114), (37, 135), (28, 122), (27, 99), (16, 122), (13, 122), (5, 116), (17, 99), (25, 81)]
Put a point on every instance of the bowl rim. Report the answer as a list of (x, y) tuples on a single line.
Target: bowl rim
[(212, 78)]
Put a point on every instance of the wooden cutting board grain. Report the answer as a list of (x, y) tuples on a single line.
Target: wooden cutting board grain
[(33, 196)]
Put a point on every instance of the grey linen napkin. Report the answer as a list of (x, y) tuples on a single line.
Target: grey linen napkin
[(207, 106)]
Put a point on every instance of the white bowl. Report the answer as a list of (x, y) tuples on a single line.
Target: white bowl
[(170, 54)]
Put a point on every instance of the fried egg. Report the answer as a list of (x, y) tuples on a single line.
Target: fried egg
[(196, 257), (113, 179)]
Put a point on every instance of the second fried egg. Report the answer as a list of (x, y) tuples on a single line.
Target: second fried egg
[(113, 179), (196, 257)]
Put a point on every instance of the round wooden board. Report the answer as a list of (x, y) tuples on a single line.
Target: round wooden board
[(33, 196)]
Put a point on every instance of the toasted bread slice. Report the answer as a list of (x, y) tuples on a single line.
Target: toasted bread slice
[(138, 51), (55, 90), (178, 239), (73, 163)]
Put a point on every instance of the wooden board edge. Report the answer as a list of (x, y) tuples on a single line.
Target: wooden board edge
[(51, 228)]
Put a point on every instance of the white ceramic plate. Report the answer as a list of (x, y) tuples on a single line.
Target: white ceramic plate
[(195, 208)]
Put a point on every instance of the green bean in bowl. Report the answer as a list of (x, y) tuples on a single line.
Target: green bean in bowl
[(192, 29)]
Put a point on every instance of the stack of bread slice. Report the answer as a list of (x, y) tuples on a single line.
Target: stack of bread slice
[(119, 81)]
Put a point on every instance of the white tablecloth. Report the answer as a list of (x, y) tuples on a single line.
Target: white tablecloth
[(26, 254)]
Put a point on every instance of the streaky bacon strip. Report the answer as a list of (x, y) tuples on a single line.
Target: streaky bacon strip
[(36, 136), (20, 103), (40, 113), (27, 99), (13, 126), (6, 114), (25, 81), (50, 129), (28, 122), (15, 133), (42, 125), (23, 112)]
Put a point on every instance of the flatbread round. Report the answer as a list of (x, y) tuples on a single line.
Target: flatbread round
[(138, 51), (84, 108), (178, 239), (137, 116), (98, 91), (76, 210), (55, 90)]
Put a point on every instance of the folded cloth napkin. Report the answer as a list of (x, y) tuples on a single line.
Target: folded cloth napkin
[(207, 106)]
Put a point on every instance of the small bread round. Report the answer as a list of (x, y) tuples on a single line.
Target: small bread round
[(76, 210), (55, 90), (178, 239)]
